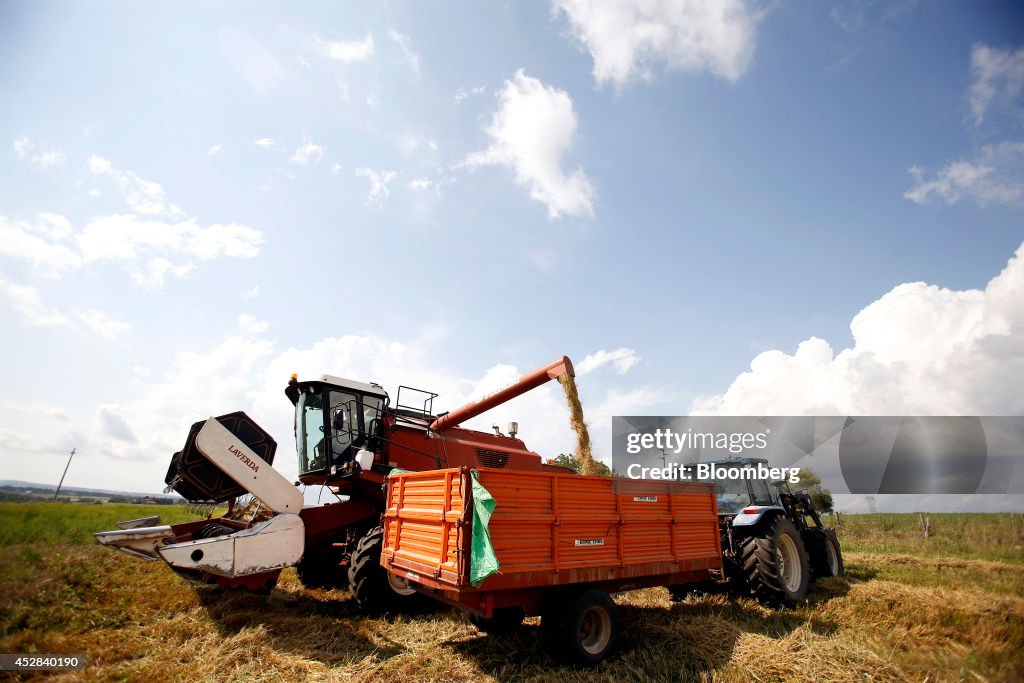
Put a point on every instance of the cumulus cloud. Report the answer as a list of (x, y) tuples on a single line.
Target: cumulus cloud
[(214, 150), (530, 132), (918, 350), (102, 323), (379, 181), (622, 359), (348, 51), (142, 196), (247, 323), (27, 303), (151, 246), (265, 143), (307, 153), (631, 40), (997, 77), (43, 157), (994, 176), (462, 94)]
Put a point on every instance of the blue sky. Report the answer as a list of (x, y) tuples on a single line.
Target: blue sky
[(703, 204)]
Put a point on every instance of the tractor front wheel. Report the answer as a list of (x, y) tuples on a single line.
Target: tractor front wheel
[(775, 563)]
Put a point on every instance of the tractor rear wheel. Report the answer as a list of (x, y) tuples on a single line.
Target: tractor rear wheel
[(582, 628), (320, 567), (376, 590), (825, 555), (775, 563), (504, 622)]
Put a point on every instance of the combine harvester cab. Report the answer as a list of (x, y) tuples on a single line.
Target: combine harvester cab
[(224, 458)]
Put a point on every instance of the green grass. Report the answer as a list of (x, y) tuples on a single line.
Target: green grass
[(50, 523), (905, 612), (998, 537)]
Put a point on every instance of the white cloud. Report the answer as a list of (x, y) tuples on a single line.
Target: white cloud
[(264, 142), (348, 51), (630, 40), (379, 181), (463, 94), (27, 303), (411, 56), (102, 323), (994, 176), (622, 359), (156, 271), (998, 76), (47, 156), (420, 184), (532, 129), (39, 244), (214, 150), (251, 294), (247, 323), (307, 153), (335, 169), (142, 196), (919, 350), (125, 237)]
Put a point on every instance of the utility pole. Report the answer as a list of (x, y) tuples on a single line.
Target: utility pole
[(63, 475)]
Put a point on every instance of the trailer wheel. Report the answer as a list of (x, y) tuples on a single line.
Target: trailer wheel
[(775, 563), (505, 622), (320, 567), (376, 590), (825, 555), (582, 629)]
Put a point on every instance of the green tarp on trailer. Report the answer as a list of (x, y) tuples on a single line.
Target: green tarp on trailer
[(482, 560)]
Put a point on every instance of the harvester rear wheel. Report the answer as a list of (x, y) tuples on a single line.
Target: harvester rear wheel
[(775, 563), (320, 567), (376, 590), (825, 555), (505, 622)]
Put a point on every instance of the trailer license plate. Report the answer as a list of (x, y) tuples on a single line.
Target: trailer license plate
[(645, 499), (587, 542)]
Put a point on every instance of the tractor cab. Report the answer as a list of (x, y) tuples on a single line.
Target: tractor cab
[(744, 496), (338, 423)]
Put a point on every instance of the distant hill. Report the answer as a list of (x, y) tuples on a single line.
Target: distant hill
[(77, 491)]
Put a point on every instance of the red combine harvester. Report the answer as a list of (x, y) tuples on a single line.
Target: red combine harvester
[(349, 437)]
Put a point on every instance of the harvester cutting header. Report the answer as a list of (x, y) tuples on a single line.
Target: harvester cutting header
[(349, 437)]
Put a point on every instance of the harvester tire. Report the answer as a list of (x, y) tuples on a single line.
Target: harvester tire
[(320, 567), (505, 622), (825, 555), (582, 628), (775, 563), (375, 589)]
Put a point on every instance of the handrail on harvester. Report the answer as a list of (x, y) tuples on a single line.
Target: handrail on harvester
[(529, 381)]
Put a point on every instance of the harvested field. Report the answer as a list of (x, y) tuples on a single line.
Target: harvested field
[(899, 616)]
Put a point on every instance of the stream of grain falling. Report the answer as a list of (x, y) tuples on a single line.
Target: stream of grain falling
[(583, 454)]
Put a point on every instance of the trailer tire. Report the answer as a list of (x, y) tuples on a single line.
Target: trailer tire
[(825, 556), (320, 567), (376, 590), (583, 628), (505, 622), (775, 563)]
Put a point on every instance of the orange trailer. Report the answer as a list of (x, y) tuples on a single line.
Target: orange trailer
[(562, 543)]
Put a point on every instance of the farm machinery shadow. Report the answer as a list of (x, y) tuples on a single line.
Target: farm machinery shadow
[(680, 642), (318, 625)]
